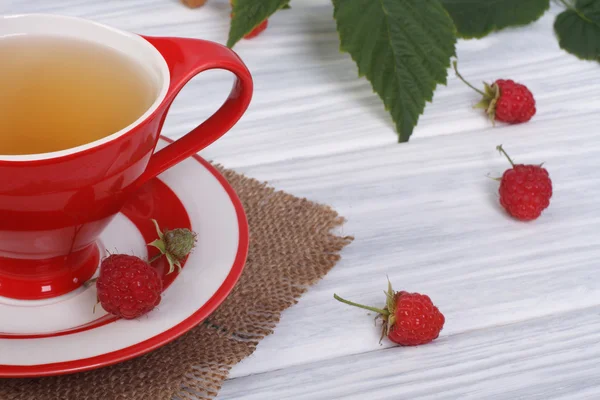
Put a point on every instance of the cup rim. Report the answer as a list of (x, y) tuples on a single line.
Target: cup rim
[(157, 57)]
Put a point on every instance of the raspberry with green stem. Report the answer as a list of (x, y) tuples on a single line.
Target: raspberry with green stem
[(409, 319), (504, 100)]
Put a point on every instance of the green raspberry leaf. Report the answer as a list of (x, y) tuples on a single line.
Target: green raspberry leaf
[(403, 47), (477, 18), (578, 29), (248, 14)]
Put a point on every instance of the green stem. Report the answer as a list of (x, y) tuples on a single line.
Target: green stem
[(374, 309), (501, 150), (465, 81), (156, 257), (90, 282)]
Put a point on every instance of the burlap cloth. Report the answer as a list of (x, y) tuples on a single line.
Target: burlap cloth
[(291, 248)]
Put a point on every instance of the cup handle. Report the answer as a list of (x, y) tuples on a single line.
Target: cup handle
[(187, 58)]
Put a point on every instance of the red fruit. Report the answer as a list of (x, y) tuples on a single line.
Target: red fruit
[(128, 286), (505, 100), (514, 102), (410, 319), (525, 190), (194, 3), (258, 30)]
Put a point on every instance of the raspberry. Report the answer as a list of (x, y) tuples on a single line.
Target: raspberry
[(179, 242), (128, 287), (174, 244), (194, 3), (258, 30), (504, 100), (515, 103), (417, 320), (410, 319), (525, 190)]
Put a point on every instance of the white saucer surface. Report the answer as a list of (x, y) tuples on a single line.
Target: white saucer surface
[(213, 217), (76, 308)]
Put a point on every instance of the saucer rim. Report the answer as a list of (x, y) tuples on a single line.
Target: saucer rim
[(148, 345)]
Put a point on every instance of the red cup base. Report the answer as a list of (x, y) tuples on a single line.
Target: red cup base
[(43, 279)]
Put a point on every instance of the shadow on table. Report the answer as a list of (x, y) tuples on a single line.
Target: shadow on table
[(339, 67)]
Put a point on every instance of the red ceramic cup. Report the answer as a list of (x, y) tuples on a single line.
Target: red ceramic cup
[(53, 206)]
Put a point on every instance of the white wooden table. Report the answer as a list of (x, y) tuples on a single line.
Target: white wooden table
[(521, 300)]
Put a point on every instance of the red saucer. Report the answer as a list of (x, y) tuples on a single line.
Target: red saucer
[(63, 335)]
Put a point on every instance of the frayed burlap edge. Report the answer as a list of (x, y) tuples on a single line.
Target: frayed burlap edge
[(291, 247)]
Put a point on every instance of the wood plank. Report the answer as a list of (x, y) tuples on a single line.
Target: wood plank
[(427, 216), (551, 358), (423, 213)]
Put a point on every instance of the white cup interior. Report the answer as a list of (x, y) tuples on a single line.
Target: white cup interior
[(129, 44)]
